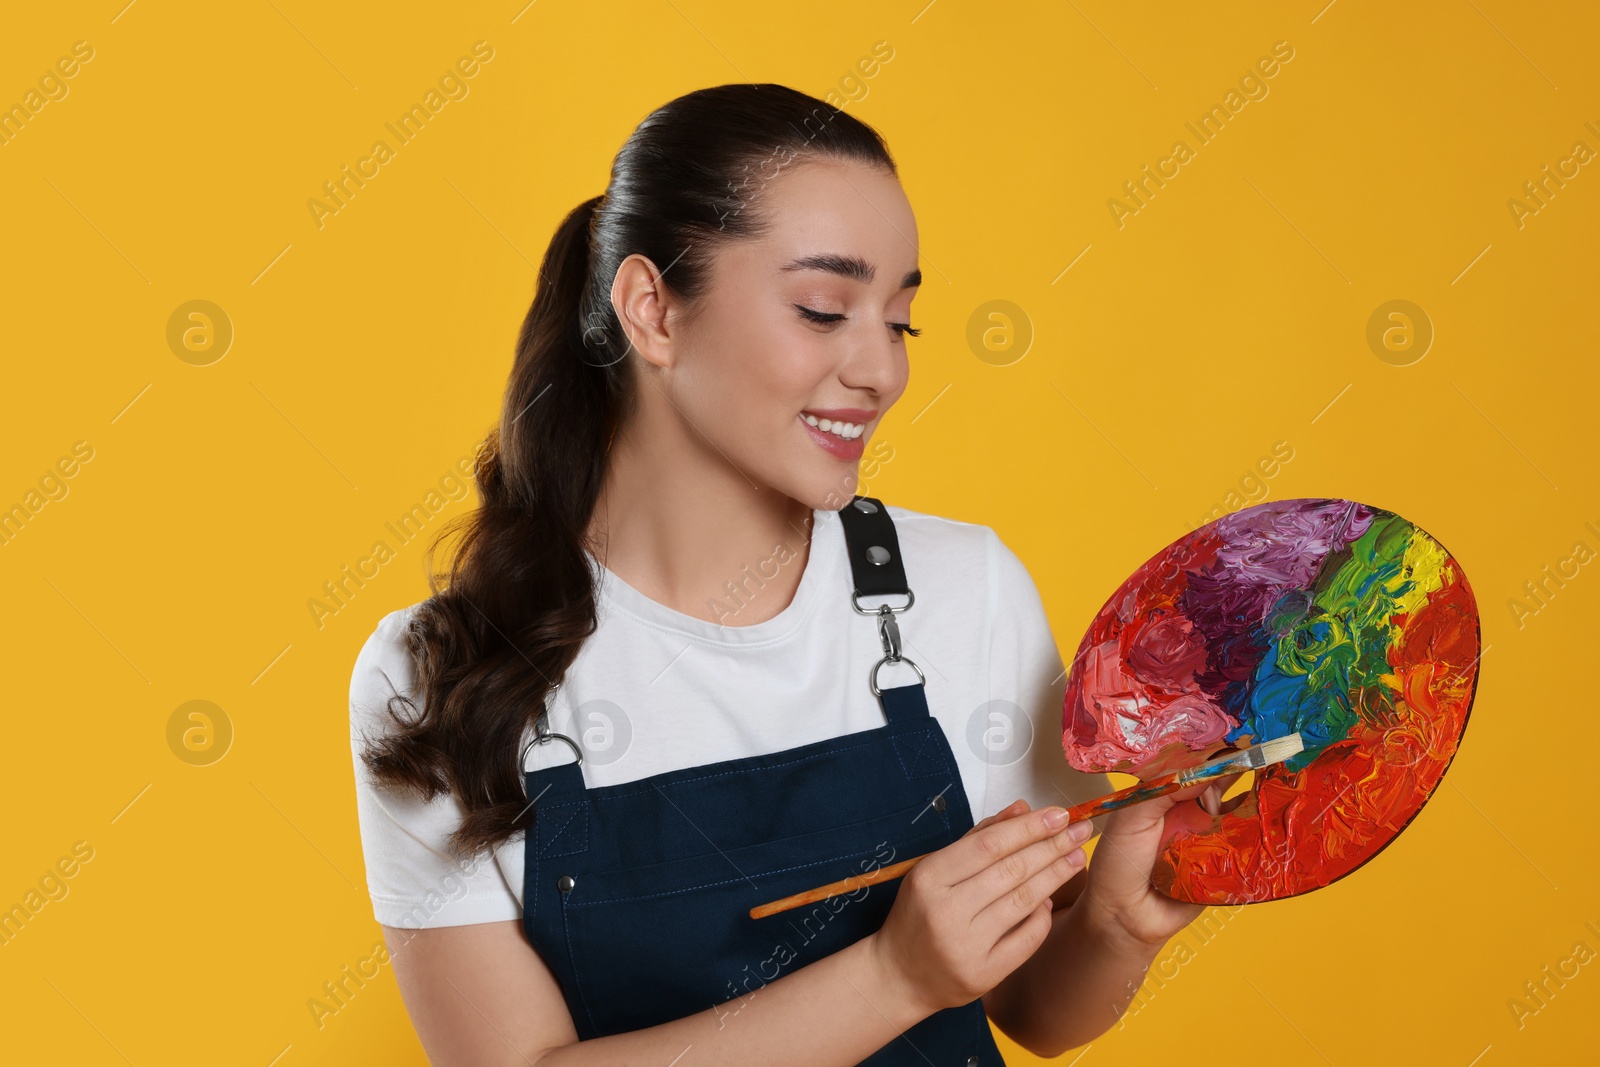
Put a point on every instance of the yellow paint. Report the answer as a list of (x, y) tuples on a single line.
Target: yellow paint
[(1426, 561)]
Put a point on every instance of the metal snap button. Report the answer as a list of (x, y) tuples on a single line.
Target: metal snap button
[(866, 507), (566, 882), (972, 1061), (938, 802), (878, 554)]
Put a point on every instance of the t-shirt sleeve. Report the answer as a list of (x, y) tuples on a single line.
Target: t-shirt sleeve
[(413, 878), (1027, 687)]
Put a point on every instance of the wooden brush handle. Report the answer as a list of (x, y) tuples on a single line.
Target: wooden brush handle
[(1077, 813), (833, 889)]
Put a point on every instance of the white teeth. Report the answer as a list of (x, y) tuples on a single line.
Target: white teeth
[(847, 430)]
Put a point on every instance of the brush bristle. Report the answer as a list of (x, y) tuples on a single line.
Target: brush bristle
[(1277, 750)]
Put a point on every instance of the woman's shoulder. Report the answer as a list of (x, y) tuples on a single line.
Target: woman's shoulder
[(383, 668), (413, 878), (939, 532), (944, 538), (967, 545)]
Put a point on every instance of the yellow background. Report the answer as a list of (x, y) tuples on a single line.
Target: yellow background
[(1228, 314)]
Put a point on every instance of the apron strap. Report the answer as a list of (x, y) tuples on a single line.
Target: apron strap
[(877, 569), (904, 703), (874, 549)]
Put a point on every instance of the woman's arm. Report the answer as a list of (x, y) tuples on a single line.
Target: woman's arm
[(1075, 987), (1058, 1000), (1093, 960), (478, 995)]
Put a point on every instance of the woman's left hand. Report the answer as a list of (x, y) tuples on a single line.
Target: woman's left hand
[(1117, 890)]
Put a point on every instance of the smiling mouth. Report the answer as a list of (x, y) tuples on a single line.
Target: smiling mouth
[(845, 431)]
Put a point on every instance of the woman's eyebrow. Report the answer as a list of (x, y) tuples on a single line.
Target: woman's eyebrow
[(853, 267)]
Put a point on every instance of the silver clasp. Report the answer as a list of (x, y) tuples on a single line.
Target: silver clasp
[(542, 734), (889, 635)]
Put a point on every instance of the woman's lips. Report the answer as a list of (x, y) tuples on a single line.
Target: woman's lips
[(833, 444)]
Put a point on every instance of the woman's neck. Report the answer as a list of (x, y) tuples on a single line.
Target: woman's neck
[(679, 527)]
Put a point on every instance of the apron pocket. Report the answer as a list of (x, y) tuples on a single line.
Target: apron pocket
[(808, 859), (653, 943)]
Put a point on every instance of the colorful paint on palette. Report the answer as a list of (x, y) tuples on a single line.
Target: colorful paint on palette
[(1332, 618)]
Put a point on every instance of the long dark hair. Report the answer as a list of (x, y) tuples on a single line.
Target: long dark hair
[(501, 627)]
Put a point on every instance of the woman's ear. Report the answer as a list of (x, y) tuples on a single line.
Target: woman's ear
[(641, 302)]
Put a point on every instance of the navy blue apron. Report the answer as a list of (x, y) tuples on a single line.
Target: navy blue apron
[(637, 896)]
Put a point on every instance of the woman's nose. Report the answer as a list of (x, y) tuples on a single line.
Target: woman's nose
[(879, 366)]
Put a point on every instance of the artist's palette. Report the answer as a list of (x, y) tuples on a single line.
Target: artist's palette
[(1332, 618)]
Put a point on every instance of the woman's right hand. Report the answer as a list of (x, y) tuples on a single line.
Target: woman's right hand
[(970, 913)]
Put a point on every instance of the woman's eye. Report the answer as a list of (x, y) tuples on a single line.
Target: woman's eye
[(817, 316), (904, 329)]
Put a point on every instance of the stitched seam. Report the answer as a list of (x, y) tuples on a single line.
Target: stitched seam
[(935, 759), (530, 885), (927, 736), (559, 830), (917, 757), (901, 759), (729, 881), (468, 895), (654, 870), (556, 836), (577, 978), (650, 624)]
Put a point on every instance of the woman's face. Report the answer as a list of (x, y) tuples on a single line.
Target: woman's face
[(797, 330)]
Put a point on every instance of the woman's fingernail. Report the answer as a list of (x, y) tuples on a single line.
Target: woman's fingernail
[(1081, 831), (1056, 818)]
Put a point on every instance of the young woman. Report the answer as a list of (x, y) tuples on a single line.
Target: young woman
[(680, 668)]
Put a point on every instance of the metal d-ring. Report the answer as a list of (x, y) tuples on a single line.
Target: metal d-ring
[(856, 603), (921, 678), (541, 730), (576, 751)]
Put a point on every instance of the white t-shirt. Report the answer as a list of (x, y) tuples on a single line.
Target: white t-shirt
[(655, 690)]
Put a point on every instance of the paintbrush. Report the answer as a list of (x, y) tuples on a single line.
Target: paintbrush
[(1253, 758)]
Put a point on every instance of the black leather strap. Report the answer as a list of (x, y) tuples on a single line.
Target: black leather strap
[(873, 547)]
